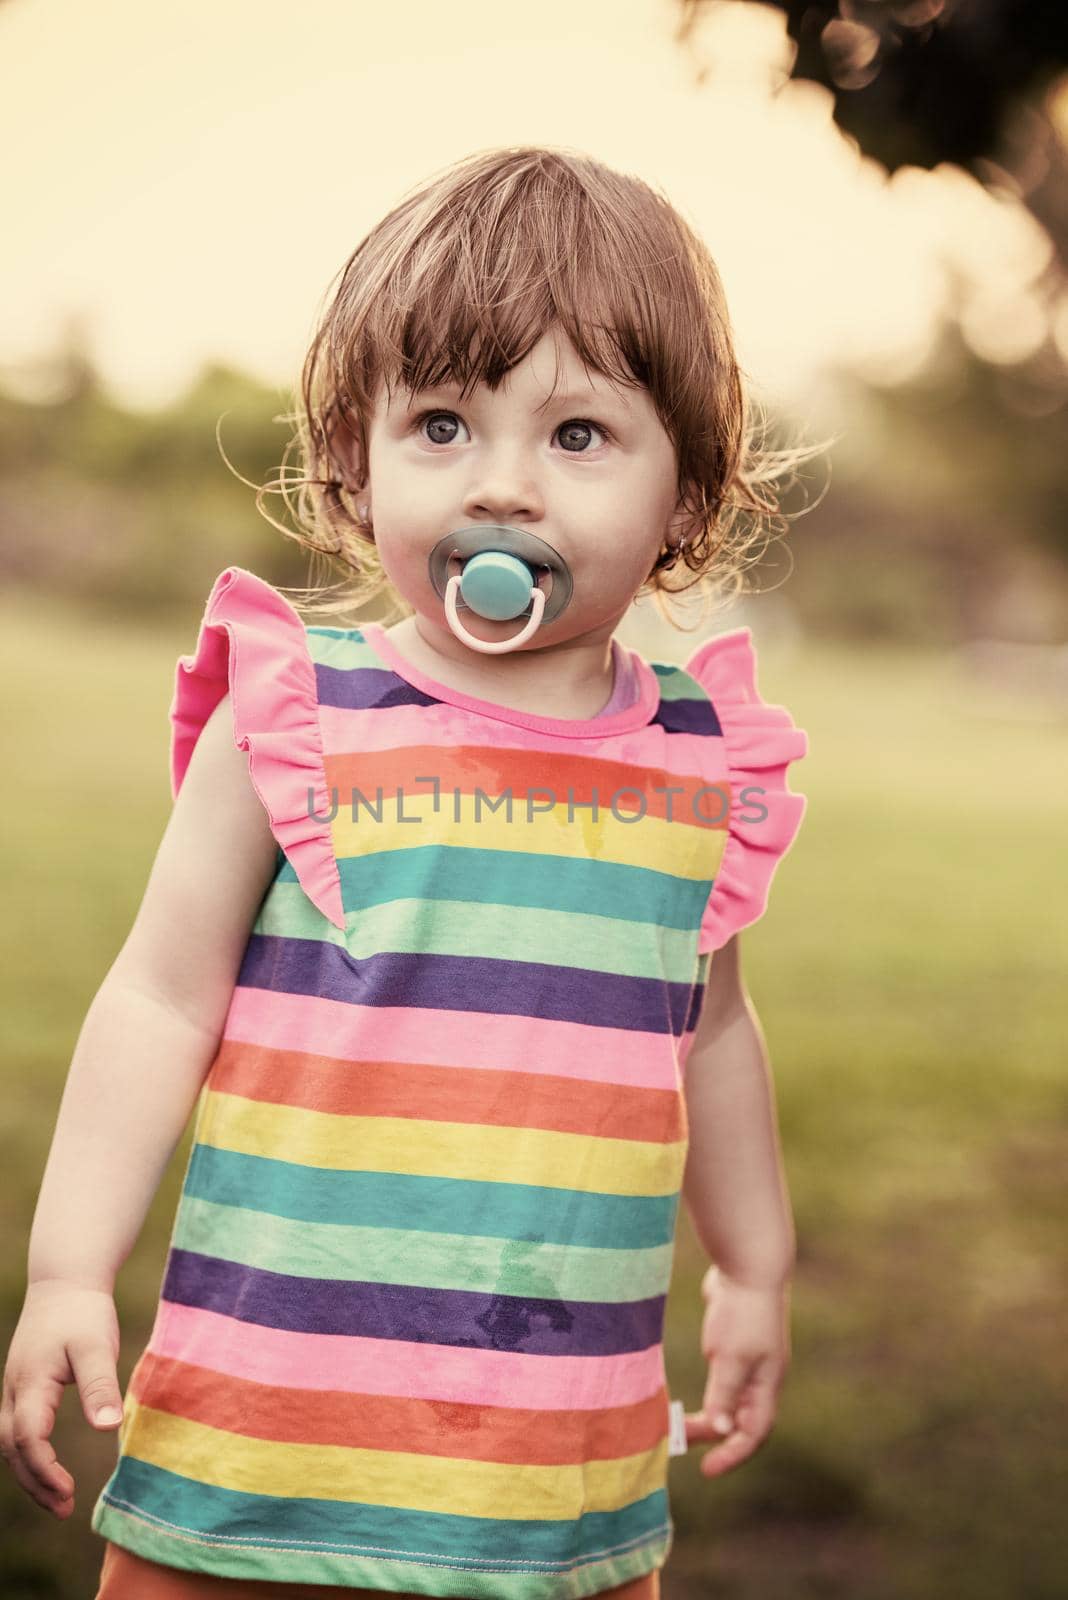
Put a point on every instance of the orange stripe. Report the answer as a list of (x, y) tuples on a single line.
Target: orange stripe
[(402, 1423), (467, 768), (426, 1093)]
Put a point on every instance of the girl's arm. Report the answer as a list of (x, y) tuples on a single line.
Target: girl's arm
[(734, 1185), (735, 1189), (149, 1037), (153, 1028)]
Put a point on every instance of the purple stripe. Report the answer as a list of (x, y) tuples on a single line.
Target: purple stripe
[(466, 983), (367, 689), (688, 716), (412, 1312), (379, 689)]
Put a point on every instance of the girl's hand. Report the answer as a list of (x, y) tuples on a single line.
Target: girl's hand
[(67, 1333), (746, 1337)]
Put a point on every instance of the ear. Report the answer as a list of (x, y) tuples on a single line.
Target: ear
[(683, 524)]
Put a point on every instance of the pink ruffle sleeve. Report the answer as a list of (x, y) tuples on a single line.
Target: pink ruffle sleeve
[(252, 643), (761, 740)]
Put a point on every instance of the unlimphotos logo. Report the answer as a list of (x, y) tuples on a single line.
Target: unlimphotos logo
[(626, 804)]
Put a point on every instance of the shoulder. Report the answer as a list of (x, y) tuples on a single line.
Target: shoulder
[(218, 812), (217, 762)]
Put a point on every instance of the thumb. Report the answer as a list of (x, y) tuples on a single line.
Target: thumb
[(98, 1384), (723, 1392)]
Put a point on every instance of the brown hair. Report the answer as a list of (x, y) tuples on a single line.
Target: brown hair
[(462, 278)]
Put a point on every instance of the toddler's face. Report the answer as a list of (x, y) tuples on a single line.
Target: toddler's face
[(592, 472)]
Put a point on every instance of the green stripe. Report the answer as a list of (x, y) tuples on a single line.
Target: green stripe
[(676, 684), (490, 931), (427, 1260), (287, 913), (174, 1521), (472, 1207), (522, 878), (341, 648)]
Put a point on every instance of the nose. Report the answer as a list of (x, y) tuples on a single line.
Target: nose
[(503, 489)]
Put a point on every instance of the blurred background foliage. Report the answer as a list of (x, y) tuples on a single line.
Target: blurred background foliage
[(940, 516)]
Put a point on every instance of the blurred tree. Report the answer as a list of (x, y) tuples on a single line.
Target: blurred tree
[(919, 82), (982, 508)]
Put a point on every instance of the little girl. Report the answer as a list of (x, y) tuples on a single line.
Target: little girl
[(443, 933)]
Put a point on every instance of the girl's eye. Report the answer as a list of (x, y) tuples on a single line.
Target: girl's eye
[(579, 426), (574, 432), (438, 420)]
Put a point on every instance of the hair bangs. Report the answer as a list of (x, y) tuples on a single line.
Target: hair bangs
[(478, 293)]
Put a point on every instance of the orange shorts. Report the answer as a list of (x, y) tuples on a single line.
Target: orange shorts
[(125, 1576)]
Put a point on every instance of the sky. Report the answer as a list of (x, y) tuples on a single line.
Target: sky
[(189, 181)]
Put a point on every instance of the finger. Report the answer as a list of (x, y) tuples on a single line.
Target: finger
[(57, 1499), (754, 1419), (60, 1505), (728, 1378), (50, 1499), (755, 1415), (729, 1454), (98, 1383), (32, 1422), (56, 1492)]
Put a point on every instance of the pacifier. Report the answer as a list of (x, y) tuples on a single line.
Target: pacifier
[(499, 580)]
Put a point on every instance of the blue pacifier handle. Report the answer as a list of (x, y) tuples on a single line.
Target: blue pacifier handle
[(496, 585), (499, 580)]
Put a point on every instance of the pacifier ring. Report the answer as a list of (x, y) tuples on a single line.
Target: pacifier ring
[(537, 604)]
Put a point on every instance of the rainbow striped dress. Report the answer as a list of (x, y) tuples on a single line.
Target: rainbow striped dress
[(409, 1333)]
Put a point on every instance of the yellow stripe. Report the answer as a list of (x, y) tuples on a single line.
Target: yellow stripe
[(441, 1149), (678, 847), (390, 1478)]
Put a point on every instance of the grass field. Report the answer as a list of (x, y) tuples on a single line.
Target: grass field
[(910, 978)]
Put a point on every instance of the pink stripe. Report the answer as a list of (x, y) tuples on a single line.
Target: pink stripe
[(383, 646), (317, 1026), (394, 1367)]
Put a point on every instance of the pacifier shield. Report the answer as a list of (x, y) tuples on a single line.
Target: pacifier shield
[(499, 538)]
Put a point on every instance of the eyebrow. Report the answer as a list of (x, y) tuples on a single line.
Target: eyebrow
[(587, 398)]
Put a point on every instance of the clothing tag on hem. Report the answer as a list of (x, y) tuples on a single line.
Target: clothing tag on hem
[(677, 1445)]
